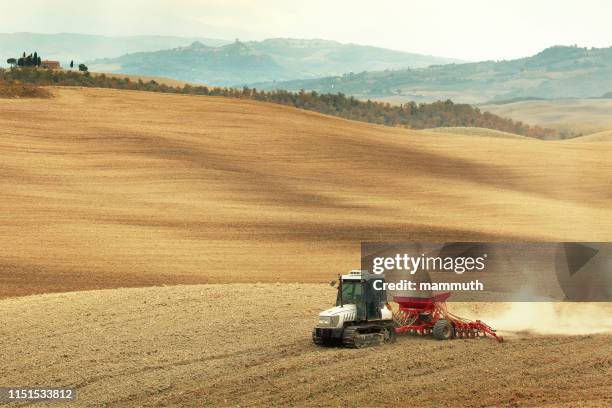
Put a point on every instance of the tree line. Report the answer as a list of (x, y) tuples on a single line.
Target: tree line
[(409, 115), (32, 60)]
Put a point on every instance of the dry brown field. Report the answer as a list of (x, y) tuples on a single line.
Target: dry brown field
[(249, 345), (107, 188), (255, 206), (475, 131)]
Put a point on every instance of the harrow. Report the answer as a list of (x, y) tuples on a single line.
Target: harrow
[(429, 316)]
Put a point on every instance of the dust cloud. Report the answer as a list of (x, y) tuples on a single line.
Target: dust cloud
[(551, 318)]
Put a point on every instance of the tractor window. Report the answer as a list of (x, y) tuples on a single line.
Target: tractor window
[(352, 293)]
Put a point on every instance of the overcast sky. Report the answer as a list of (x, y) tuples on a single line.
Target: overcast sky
[(467, 29)]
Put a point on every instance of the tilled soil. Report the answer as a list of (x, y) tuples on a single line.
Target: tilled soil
[(249, 345)]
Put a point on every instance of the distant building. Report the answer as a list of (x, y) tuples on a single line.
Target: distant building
[(50, 64)]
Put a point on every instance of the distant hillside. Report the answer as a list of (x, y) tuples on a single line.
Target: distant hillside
[(410, 115), (277, 59), (571, 117), (557, 72), (82, 47), (198, 63)]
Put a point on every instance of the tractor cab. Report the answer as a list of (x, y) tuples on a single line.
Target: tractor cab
[(357, 288)]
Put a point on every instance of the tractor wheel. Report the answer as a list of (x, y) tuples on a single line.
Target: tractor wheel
[(389, 334), (443, 330)]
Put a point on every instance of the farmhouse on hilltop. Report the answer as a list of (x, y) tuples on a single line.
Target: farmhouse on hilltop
[(50, 64)]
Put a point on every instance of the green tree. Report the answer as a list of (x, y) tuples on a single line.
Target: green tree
[(11, 61), (71, 64), (83, 68)]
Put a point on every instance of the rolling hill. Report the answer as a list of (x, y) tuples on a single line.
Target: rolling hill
[(556, 72), (107, 188), (568, 116), (474, 131), (275, 59), (410, 115), (605, 136), (65, 47)]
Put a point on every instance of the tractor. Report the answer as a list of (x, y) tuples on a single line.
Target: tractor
[(362, 316)]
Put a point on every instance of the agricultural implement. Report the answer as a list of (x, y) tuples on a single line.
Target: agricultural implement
[(430, 316)]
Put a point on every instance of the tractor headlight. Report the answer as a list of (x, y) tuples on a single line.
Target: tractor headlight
[(328, 321), (324, 321)]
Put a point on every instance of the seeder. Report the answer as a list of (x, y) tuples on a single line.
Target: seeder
[(429, 316)]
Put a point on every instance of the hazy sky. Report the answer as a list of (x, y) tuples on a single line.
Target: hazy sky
[(468, 29)]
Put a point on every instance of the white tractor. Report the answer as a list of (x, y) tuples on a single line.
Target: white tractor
[(362, 317)]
